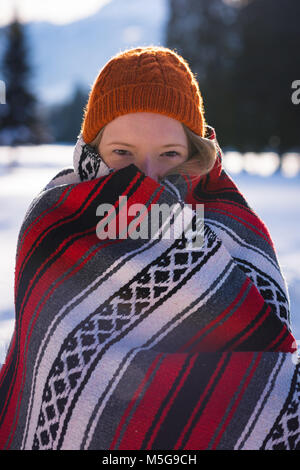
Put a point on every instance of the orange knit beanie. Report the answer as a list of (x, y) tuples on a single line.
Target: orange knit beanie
[(150, 79)]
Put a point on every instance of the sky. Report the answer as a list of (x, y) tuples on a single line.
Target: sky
[(55, 11)]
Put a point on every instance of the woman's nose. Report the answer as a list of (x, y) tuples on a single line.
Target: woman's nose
[(148, 166)]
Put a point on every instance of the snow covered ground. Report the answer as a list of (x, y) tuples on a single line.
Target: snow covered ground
[(276, 199)]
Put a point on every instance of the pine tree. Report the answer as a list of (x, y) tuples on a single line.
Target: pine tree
[(246, 56), (265, 70), (20, 122), (203, 32), (65, 118)]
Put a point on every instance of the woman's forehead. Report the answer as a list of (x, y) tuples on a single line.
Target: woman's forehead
[(143, 125)]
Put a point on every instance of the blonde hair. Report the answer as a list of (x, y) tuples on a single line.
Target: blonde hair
[(201, 154)]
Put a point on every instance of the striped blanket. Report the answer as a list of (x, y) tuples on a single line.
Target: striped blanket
[(130, 342)]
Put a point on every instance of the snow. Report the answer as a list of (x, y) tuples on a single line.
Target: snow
[(275, 197)]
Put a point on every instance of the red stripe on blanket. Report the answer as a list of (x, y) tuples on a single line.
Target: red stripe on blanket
[(39, 220), (202, 398), (249, 331), (135, 397), (284, 342), (240, 212), (171, 401), (141, 194), (236, 403), (247, 224), (219, 401), (237, 211), (8, 358), (223, 330), (155, 392), (79, 198), (204, 340)]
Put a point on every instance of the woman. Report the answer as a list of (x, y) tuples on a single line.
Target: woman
[(131, 342)]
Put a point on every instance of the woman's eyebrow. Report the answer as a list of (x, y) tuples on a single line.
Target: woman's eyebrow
[(129, 145)]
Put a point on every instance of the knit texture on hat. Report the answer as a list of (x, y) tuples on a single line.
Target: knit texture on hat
[(145, 79)]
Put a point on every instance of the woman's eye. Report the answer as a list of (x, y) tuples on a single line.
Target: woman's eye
[(173, 152), (122, 151)]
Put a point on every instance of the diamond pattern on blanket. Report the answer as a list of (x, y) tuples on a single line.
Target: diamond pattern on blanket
[(285, 434), (273, 295), (84, 344)]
